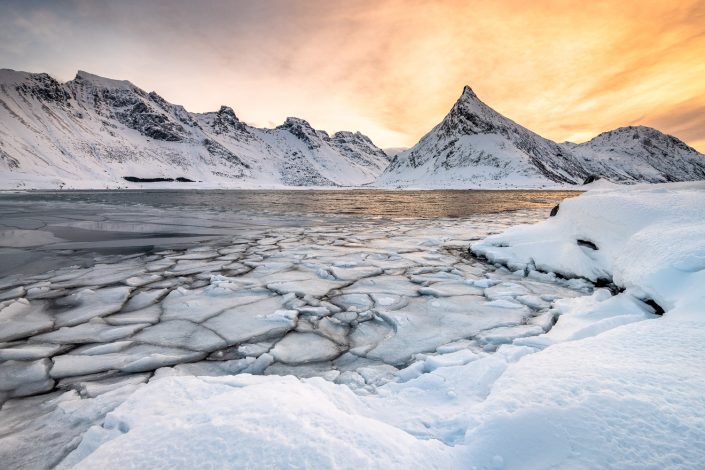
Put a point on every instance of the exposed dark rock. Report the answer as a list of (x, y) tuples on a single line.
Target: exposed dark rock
[(12, 163), (226, 121), (45, 88), (592, 179), (658, 310), (587, 244), (303, 131), (554, 211), (152, 124), (135, 179), (356, 146), (217, 150)]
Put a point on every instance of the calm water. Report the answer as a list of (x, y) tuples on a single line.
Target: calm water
[(366, 203), (45, 230)]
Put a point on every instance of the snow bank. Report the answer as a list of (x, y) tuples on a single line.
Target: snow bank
[(249, 422), (648, 239), (629, 398)]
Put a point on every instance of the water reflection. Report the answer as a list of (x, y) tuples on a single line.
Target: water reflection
[(370, 203)]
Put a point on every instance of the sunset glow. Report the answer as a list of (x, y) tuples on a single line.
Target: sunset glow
[(390, 69)]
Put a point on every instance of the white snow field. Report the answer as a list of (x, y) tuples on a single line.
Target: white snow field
[(378, 344)]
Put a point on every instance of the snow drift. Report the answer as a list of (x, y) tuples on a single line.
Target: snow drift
[(649, 240)]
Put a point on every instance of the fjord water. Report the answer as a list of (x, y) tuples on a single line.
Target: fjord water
[(46, 230), (372, 203)]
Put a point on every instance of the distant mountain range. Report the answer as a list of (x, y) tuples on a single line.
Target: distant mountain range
[(475, 146), (94, 132)]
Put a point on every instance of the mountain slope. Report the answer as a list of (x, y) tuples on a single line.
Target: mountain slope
[(640, 154), (93, 132), (476, 147)]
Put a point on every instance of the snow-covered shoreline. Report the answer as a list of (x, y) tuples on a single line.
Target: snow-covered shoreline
[(612, 384), (648, 239), (18, 182)]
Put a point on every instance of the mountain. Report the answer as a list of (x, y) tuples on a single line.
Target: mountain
[(639, 154), (92, 132), (476, 147)]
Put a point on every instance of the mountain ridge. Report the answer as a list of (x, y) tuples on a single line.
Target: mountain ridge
[(474, 146), (93, 131)]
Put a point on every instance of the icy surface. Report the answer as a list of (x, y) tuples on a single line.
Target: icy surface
[(350, 302), (406, 352)]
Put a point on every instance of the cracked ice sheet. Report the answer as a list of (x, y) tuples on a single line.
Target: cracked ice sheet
[(428, 322), (508, 408), (511, 409), (211, 308)]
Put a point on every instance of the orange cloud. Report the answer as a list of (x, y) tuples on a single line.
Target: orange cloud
[(390, 68)]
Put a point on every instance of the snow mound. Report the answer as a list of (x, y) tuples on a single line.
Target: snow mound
[(248, 422), (649, 240)]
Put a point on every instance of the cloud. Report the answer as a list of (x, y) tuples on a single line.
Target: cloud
[(389, 68), (686, 121)]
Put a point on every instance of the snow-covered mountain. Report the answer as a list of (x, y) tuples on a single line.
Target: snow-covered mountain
[(638, 153), (476, 147), (91, 132)]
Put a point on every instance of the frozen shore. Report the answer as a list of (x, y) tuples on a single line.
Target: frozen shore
[(612, 384)]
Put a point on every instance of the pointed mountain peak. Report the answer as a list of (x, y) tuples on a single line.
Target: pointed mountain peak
[(470, 115), (468, 100), (468, 94)]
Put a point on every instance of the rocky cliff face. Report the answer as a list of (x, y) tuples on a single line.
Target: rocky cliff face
[(93, 131), (475, 146)]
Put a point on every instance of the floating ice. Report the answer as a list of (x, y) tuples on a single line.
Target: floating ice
[(253, 320), (29, 351), (181, 334), (301, 348), (22, 318), (384, 284), (86, 304), (90, 332), (429, 322), (198, 305)]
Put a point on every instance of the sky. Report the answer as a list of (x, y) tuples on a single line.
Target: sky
[(391, 69)]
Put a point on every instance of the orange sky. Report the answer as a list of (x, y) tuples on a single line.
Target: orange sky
[(389, 68)]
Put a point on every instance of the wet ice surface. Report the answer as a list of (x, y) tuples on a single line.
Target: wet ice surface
[(327, 300), (357, 301)]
